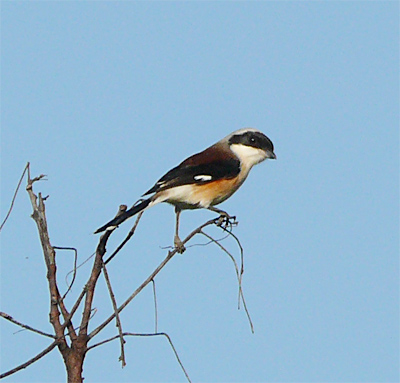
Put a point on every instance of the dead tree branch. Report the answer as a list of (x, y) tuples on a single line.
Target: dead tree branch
[(75, 350), (39, 216)]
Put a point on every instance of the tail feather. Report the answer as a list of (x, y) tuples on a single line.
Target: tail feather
[(124, 216)]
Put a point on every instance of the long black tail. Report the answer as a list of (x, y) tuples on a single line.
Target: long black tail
[(124, 216)]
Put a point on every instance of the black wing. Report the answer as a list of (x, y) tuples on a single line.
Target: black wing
[(185, 174)]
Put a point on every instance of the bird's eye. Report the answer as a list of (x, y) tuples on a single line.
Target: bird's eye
[(252, 139)]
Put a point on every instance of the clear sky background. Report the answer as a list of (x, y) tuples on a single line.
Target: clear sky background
[(104, 97)]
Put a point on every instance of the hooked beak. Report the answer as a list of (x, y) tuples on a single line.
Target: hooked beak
[(271, 155)]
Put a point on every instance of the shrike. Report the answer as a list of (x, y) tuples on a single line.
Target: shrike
[(205, 179)]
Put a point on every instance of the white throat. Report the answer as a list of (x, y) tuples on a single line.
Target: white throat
[(248, 155)]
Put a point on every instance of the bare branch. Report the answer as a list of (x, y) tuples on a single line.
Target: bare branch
[(115, 307), (11, 319), (147, 335)]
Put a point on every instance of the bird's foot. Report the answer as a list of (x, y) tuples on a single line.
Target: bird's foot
[(225, 220), (179, 246)]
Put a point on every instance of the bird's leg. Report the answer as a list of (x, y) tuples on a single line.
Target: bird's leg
[(177, 241), (224, 217)]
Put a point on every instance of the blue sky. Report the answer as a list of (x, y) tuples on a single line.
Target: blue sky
[(104, 97)]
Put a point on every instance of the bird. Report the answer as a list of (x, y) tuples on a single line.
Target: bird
[(205, 179)]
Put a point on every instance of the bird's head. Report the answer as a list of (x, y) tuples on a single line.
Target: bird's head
[(251, 146)]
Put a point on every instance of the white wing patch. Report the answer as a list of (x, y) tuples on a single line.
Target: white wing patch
[(203, 177)]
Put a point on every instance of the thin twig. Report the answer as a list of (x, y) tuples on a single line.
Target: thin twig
[(147, 335), (128, 237), (212, 240), (241, 260), (15, 196), (74, 270), (155, 306), (80, 265), (208, 242), (115, 307), (238, 275), (11, 319)]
